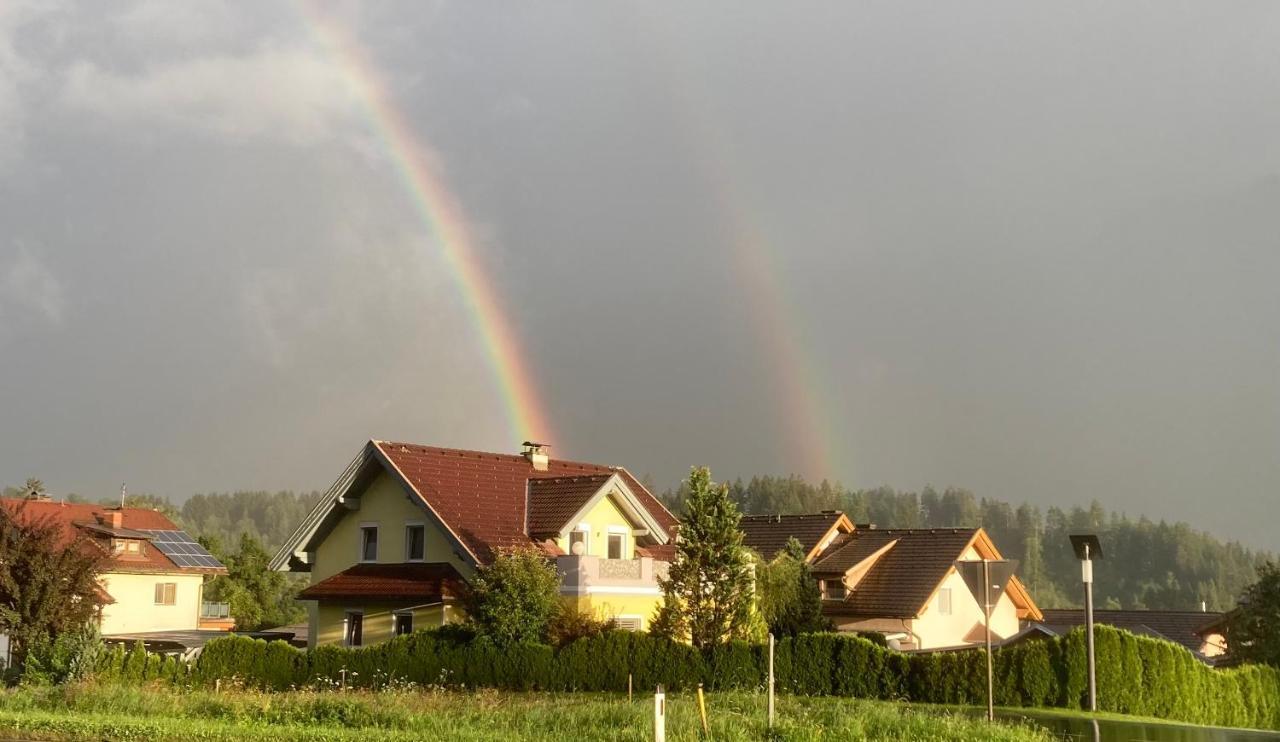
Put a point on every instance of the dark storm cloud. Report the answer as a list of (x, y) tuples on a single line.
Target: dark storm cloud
[(1029, 250)]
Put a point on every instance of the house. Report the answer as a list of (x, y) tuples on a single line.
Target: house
[(1202, 632), (392, 544), (154, 574), (898, 582)]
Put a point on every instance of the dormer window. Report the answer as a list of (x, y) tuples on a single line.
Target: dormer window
[(126, 546), (833, 589)]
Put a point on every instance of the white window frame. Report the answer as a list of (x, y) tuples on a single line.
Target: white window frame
[(947, 607), (164, 589), (377, 549), (395, 620), (415, 524), (346, 627), (622, 531), (630, 617), (585, 530)]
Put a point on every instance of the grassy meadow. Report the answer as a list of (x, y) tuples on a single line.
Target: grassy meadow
[(98, 712)]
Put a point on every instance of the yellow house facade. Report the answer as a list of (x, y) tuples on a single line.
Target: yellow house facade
[(391, 545)]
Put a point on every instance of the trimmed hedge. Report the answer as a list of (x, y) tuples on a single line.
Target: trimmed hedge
[(1136, 675)]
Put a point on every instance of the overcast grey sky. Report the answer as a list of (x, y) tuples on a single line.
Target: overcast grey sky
[(1026, 248)]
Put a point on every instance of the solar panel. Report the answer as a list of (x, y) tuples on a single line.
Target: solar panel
[(183, 550)]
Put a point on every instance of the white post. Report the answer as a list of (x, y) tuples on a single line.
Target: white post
[(771, 681), (659, 716)]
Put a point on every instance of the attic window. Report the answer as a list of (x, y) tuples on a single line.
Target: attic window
[(369, 543), (833, 589)]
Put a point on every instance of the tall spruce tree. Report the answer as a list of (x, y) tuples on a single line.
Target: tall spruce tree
[(709, 590), (1253, 630)]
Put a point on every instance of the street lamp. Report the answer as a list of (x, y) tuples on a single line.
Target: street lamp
[(1087, 549)]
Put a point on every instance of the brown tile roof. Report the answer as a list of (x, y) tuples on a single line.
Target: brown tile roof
[(430, 582), (1176, 626), (661, 552), (904, 578), (768, 534), (75, 518), (481, 496), (554, 500)]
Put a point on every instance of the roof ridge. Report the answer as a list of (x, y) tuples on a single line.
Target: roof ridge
[(513, 457)]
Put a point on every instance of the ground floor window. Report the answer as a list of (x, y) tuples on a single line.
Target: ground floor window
[(166, 593), (354, 634), (403, 623)]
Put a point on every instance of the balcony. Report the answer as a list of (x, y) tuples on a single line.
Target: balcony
[(216, 617), (583, 575)]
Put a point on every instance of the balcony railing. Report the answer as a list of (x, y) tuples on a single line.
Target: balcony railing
[(584, 574), (215, 610)]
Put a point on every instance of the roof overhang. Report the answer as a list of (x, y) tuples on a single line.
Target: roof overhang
[(842, 524)]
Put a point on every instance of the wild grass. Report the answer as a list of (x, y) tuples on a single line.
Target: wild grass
[(90, 711)]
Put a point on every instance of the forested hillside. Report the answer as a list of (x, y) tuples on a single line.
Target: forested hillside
[(1149, 564)]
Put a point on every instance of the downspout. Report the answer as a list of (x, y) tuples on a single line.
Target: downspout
[(906, 626)]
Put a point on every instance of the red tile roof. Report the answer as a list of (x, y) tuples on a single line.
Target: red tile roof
[(430, 582), (481, 496), (76, 518), (554, 500)]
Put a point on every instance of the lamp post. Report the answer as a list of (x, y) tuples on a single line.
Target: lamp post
[(1088, 548), (987, 580)]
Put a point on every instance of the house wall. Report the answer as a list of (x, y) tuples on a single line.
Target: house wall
[(618, 606), (600, 518), (385, 504), (135, 609), (378, 626), (935, 629)]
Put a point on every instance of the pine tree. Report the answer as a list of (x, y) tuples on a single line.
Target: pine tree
[(709, 589)]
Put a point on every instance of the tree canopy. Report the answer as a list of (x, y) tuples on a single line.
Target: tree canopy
[(1254, 627), (259, 598), (790, 601), (513, 598), (48, 585)]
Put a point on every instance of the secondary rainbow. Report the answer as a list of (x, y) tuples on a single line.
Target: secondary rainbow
[(443, 219), (808, 431)]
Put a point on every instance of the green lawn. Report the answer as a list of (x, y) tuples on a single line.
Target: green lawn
[(130, 713)]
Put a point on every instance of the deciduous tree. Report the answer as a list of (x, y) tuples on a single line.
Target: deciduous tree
[(513, 598), (48, 584)]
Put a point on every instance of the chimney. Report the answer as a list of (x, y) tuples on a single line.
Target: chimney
[(112, 518), (536, 453)]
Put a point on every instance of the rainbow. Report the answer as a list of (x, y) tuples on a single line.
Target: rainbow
[(443, 219), (808, 430)]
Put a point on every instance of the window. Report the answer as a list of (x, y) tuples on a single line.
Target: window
[(402, 623), (833, 589), (415, 542), (126, 546), (166, 593), (578, 537), (628, 623), (944, 601), (616, 540), (368, 543), (353, 636)]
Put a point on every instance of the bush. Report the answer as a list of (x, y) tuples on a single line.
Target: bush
[(1142, 674)]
